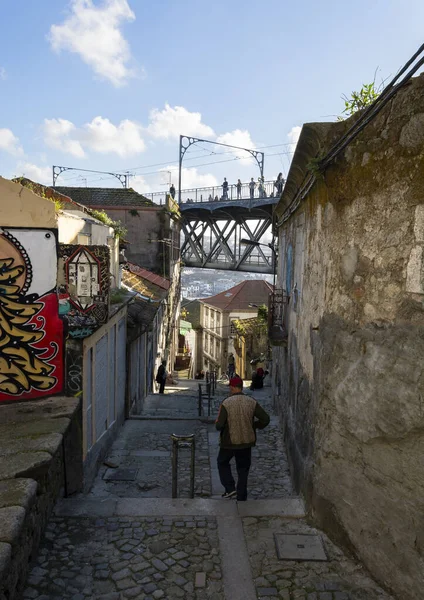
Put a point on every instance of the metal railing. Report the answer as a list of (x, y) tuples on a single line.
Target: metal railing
[(216, 193)]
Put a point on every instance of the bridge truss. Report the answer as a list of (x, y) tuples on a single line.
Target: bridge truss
[(213, 232)]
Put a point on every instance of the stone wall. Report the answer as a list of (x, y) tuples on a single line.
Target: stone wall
[(143, 224), (350, 382), (40, 458)]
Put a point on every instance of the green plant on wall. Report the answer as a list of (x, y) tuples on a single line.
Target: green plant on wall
[(118, 228), (359, 100), (134, 212), (263, 313)]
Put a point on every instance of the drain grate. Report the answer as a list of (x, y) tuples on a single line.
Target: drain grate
[(120, 474), (299, 547)]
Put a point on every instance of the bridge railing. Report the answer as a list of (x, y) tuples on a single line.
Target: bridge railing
[(216, 193)]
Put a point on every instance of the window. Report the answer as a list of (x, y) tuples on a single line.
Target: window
[(233, 330), (206, 343), (217, 349), (206, 317), (212, 320)]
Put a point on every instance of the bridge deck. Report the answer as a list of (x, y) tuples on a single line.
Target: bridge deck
[(245, 205)]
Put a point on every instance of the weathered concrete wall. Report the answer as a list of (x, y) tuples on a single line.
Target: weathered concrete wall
[(150, 223), (40, 457), (19, 207), (351, 380)]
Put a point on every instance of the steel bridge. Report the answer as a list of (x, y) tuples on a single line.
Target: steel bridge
[(228, 232)]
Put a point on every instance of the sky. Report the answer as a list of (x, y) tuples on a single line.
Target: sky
[(110, 85)]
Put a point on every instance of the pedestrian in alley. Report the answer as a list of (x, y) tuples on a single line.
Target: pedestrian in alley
[(161, 376), (238, 419), (238, 186), (172, 191), (225, 189), (252, 186)]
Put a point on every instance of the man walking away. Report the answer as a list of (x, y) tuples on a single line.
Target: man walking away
[(161, 376), (238, 419)]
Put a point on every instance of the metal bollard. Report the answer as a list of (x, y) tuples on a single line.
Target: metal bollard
[(199, 407), (208, 390), (182, 441)]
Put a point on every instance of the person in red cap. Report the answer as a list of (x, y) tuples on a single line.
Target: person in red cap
[(238, 419)]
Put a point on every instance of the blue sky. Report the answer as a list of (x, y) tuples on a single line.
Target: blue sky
[(110, 85)]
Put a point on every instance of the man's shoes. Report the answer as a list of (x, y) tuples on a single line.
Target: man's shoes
[(229, 495)]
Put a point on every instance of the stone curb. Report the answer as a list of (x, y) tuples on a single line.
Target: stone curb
[(289, 508)]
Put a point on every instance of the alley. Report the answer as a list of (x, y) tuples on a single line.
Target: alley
[(128, 539)]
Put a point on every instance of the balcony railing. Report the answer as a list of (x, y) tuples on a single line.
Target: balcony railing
[(216, 193)]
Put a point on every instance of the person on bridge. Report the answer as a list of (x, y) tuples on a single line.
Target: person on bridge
[(238, 186), (279, 183), (252, 186), (172, 191), (225, 189), (261, 187), (238, 419)]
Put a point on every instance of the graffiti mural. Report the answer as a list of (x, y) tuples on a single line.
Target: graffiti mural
[(74, 367), (84, 282), (31, 332)]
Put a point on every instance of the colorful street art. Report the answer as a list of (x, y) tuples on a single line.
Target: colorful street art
[(31, 332), (84, 283)]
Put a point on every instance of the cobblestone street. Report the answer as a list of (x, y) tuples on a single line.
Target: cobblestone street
[(129, 539)]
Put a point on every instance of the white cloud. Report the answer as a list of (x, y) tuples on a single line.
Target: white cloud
[(124, 139), (241, 138), (39, 174), (191, 178), (138, 183), (3, 74), (293, 137), (171, 122), (93, 32), (9, 142), (58, 134), (100, 135)]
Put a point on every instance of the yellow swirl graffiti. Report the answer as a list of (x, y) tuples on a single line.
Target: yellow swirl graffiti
[(21, 368)]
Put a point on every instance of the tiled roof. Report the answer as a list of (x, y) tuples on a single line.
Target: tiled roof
[(149, 276), (253, 291), (142, 286), (105, 196)]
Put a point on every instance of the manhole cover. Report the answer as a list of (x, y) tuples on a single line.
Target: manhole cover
[(120, 474), (299, 547)]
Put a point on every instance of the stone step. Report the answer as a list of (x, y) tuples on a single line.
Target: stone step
[(288, 508)]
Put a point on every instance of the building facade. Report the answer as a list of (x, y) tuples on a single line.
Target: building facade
[(218, 316)]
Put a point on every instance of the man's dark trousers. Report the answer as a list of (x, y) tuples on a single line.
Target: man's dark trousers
[(162, 386), (243, 457)]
